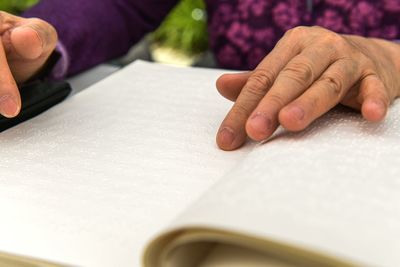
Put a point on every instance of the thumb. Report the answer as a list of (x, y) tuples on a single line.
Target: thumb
[(26, 42), (10, 100), (29, 47), (35, 38)]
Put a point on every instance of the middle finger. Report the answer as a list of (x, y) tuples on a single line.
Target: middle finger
[(291, 82)]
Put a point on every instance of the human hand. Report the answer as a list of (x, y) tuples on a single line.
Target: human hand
[(25, 46), (310, 71)]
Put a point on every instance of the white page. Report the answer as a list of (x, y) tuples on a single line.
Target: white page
[(334, 188), (88, 182)]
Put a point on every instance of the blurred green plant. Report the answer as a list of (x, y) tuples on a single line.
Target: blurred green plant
[(185, 28), (16, 6)]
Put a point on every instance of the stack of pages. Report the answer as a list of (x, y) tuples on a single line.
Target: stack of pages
[(127, 173)]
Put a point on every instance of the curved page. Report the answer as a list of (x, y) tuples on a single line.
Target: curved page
[(328, 196)]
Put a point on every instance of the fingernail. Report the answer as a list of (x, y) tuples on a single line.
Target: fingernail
[(261, 123), (226, 137), (296, 112), (8, 107)]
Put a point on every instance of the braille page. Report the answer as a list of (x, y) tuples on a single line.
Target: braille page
[(88, 182), (332, 189)]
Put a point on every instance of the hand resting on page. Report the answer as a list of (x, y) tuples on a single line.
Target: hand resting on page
[(309, 71)]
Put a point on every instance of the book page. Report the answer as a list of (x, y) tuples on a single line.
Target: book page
[(333, 189), (234, 256), (90, 181)]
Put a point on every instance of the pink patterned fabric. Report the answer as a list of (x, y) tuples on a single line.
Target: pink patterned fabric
[(244, 31)]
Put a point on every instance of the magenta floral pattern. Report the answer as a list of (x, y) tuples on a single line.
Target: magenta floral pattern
[(244, 31)]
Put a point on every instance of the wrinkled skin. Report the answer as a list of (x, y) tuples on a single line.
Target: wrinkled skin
[(310, 71)]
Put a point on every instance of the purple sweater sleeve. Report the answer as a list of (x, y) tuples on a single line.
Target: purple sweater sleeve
[(93, 31)]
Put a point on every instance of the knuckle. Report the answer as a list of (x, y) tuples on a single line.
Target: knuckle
[(333, 85), (332, 37), (259, 82), (298, 32), (300, 71), (240, 111), (276, 100), (335, 41)]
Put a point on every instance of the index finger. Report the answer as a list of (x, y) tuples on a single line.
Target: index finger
[(232, 133), (10, 100)]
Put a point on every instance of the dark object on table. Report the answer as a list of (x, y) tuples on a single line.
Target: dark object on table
[(37, 97)]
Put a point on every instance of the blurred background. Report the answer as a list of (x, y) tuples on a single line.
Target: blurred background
[(181, 39)]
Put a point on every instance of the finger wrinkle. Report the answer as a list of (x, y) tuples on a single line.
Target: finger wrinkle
[(300, 72), (334, 86), (261, 80), (6, 39)]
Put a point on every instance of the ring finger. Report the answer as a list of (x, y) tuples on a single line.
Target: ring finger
[(322, 96)]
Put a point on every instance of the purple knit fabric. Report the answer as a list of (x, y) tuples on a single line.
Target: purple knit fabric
[(242, 32), (93, 31)]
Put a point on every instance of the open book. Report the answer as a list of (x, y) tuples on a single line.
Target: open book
[(127, 173)]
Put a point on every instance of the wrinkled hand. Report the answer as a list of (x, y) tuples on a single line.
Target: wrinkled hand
[(310, 71), (25, 46)]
